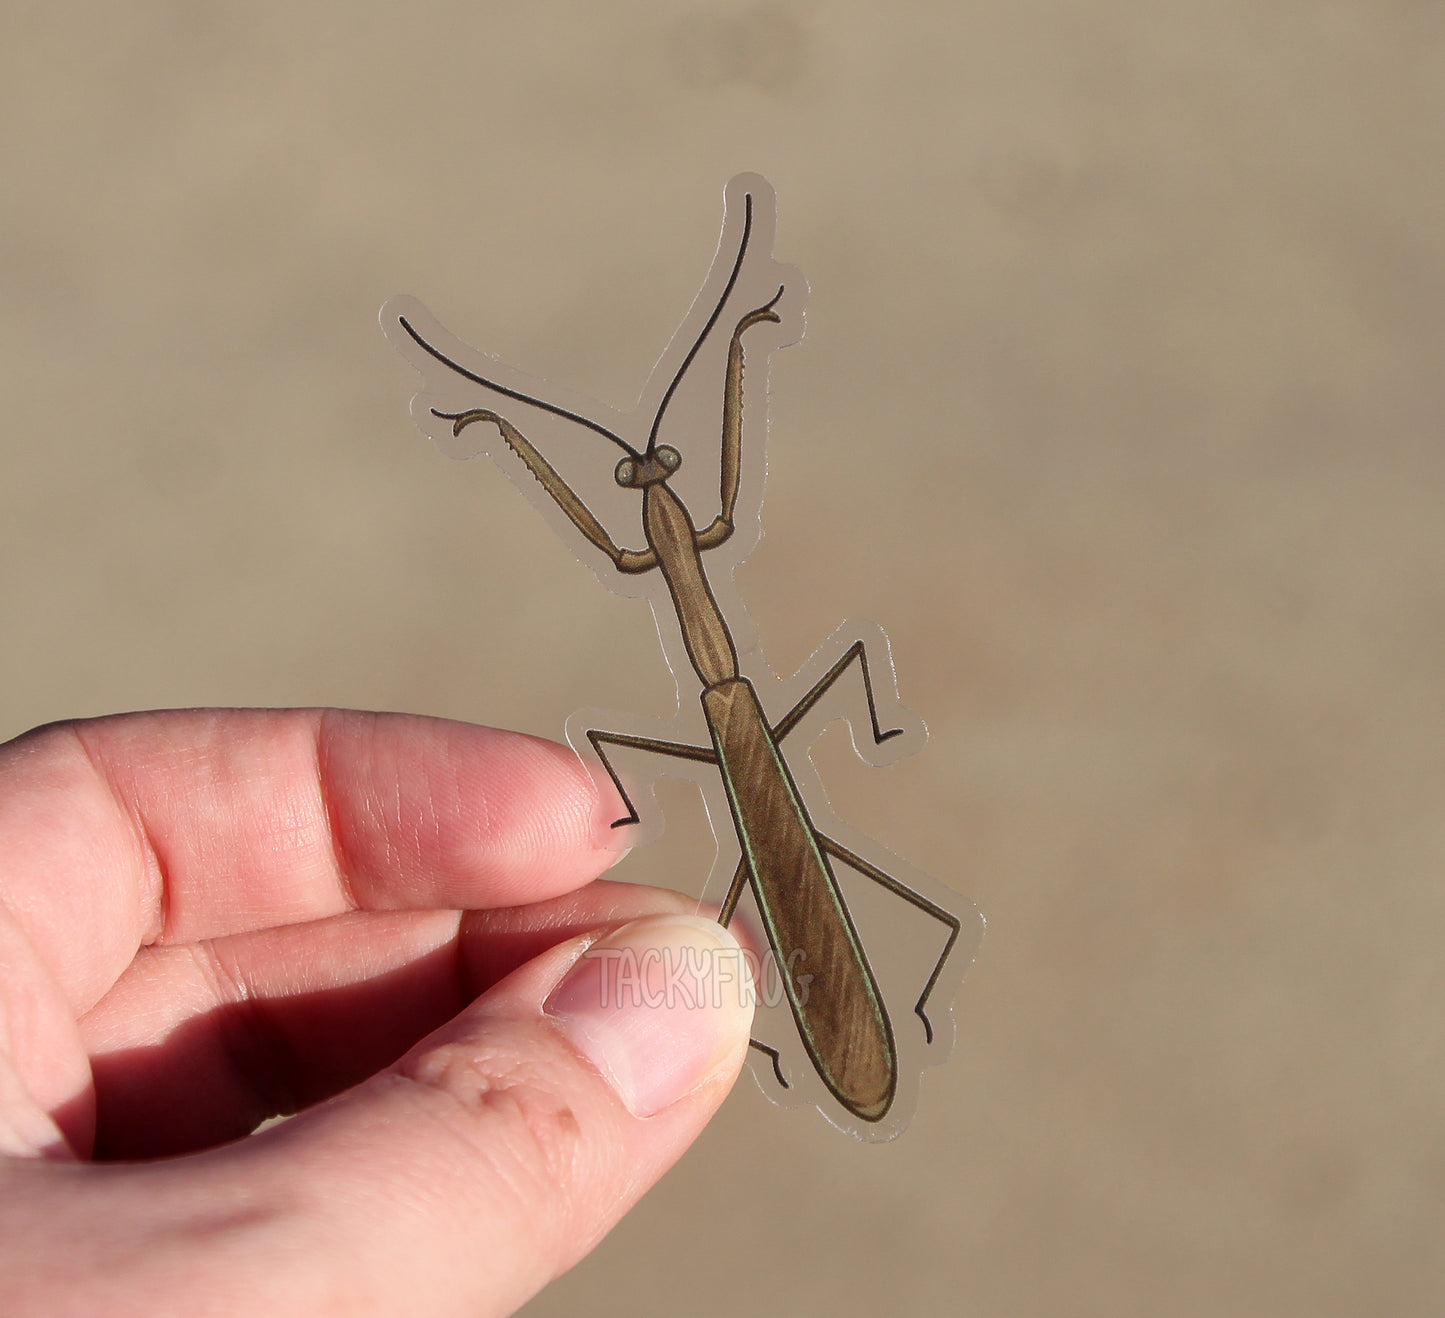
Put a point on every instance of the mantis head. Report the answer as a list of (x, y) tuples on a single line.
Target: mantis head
[(639, 472)]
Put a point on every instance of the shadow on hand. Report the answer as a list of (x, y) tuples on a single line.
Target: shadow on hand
[(221, 1073)]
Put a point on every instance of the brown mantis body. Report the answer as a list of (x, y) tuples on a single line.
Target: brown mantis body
[(787, 862)]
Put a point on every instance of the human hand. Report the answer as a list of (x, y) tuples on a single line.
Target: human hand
[(209, 917)]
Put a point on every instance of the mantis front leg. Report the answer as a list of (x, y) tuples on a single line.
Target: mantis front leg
[(730, 476), (625, 560)]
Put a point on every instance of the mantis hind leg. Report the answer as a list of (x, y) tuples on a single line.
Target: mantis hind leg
[(899, 889), (777, 1061), (677, 749), (735, 891), (724, 917), (683, 751), (895, 886)]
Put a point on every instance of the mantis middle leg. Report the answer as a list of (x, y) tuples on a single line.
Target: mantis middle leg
[(677, 749), (855, 652)]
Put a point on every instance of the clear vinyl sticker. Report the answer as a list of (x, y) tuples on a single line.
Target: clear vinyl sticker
[(856, 957)]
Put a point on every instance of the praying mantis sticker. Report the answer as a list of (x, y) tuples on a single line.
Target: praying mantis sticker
[(861, 955)]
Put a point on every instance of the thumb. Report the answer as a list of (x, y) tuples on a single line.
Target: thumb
[(498, 1151)]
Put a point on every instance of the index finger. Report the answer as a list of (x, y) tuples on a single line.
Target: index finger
[(179, 825)]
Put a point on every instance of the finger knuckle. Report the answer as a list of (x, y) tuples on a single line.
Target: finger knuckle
[(506, 1111)]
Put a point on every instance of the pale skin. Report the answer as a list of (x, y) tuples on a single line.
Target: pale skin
[(381, 922)]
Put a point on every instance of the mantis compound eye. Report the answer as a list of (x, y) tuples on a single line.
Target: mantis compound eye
[(626, 472), (670, 458)]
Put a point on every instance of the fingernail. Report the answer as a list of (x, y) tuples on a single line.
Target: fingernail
[(658, 1007)]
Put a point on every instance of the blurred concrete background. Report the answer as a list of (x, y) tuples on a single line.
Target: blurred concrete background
[(1121, 408)]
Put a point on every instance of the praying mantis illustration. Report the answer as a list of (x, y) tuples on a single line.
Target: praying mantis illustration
[(862, 1011)]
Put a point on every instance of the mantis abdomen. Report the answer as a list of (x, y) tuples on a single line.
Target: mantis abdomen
[(827, 978)]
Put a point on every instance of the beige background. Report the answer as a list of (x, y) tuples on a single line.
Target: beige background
[(1120, 408)]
